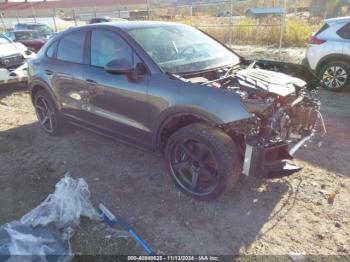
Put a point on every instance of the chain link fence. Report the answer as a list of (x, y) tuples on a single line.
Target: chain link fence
[(223, 20)]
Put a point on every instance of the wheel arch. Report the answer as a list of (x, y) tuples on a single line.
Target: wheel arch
[(35, 89), (332, 57), (39, 85), (175, 122)]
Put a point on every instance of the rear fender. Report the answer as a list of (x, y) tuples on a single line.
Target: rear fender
[(38, 83)]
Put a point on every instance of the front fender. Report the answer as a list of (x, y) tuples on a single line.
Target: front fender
[(216, 106), (219, 105), (172, 97)]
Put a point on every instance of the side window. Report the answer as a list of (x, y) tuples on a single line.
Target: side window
[(71, 48), (107, 46), (51, 50), (10, 36), (323, 28), (344, 32)]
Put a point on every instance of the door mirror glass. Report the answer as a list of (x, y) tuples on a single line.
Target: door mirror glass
[(119, 66)]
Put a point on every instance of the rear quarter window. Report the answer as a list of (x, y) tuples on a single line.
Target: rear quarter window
[(322, 29), (344, 32), (71, 47), (51, 50)]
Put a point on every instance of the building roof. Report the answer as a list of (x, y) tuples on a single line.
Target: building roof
[(68, 4), (266, 11)]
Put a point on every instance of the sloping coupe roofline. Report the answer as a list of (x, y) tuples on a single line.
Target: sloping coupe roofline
[(134, 24)]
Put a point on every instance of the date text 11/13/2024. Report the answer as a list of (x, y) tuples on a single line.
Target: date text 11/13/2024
[(173, 258)]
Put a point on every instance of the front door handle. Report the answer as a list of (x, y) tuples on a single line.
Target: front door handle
[(48, 72), (93, 87)]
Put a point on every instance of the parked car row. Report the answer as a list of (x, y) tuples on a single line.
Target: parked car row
[(13, 57), (30, 38), (19, 45), (44, 31)]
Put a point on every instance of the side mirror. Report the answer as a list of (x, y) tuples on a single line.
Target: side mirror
[(119, 67)]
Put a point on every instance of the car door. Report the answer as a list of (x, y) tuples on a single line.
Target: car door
[(116, 103), (344, 33), (65, 70)]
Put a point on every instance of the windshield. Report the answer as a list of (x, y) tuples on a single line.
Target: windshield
[(42, 29), (26, 35), (180, 48), (4, 40)]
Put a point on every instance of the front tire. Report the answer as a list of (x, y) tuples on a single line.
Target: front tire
[(203, 161), (47, 113), (335, 75)]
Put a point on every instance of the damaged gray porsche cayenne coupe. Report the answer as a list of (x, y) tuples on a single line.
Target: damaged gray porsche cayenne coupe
[(172, 89)]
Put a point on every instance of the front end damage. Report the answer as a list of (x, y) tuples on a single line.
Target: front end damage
[(14, 68), (286, 116)]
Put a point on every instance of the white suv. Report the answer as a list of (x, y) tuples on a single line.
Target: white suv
[(328, 54), (13, 57)]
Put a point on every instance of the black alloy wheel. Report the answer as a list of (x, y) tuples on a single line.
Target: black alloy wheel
[(203, 161), (194, 167), (47, 113)]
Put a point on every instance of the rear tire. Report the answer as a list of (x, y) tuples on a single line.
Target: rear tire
[(48, 114), (335, 75), (203, 161)]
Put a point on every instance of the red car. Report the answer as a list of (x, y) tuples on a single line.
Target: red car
[(29, 38)]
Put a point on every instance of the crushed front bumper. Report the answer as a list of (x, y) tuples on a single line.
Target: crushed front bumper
[(16, 75), (269, 161)]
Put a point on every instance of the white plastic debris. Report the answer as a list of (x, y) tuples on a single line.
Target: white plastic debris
[(43, 232), (324, 192), (64, 207), (25, 243), (297, 256)]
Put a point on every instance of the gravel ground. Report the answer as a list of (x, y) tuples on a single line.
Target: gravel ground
[(260, 217)]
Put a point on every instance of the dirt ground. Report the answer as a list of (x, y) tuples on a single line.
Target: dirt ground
[(260, 217)]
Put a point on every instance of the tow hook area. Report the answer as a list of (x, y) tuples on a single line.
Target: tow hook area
[(268, 162)]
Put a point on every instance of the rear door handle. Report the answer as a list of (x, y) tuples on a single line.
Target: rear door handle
[(91, 82), (48, 72)]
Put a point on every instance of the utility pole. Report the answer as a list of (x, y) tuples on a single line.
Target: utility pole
[(75, 17), (148, 10), (33, 12), (231, 20), (54, 18), (191, 12), (283, 24), (17, 17), (2, 21)]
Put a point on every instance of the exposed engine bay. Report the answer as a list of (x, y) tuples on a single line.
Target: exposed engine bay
[(285, 109)]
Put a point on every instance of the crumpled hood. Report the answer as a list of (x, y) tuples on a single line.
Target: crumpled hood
[(270, 81), (8, 49), (20, 47)]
